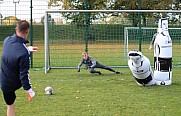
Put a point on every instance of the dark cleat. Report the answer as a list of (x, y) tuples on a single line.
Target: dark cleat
[(117, 72), (99, 73)]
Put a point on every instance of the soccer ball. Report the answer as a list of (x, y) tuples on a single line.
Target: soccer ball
[(48, 90)]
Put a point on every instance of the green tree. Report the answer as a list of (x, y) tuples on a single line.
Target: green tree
[(1, 16), (143, 5), (115, 5), (79, 18)]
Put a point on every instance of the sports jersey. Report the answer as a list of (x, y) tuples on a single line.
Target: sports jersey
[(89, 62), (15, 64)]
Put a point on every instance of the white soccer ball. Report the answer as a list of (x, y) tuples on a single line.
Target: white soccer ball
[(48, 90)]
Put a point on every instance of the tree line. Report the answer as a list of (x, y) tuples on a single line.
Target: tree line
[(79, 18)]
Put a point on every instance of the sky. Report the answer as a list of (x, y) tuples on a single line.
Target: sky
[(7, 8)]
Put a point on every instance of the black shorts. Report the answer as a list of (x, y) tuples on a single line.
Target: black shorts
[(9, 97)]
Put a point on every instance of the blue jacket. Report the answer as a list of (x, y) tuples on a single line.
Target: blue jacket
[(15, 64)]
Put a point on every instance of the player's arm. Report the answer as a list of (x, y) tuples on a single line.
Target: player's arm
[(24, 65), (79, 65), (153, 40)]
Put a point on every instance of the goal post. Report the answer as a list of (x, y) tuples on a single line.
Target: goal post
[(131, 38), (104, 37)]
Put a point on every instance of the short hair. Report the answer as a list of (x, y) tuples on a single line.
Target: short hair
[(23, 26), (84, 53)]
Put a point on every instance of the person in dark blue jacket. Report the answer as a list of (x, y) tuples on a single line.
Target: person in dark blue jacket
[(15, 64), (91, 64)]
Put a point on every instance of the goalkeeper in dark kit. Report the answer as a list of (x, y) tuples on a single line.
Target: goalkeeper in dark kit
[(90, 64)]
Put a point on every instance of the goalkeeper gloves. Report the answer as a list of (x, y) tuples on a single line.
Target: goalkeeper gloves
[(32, 49), (89, 67), (150, 47), (30, 94)]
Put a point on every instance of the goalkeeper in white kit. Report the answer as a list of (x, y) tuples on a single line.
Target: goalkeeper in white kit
[(91, 64)]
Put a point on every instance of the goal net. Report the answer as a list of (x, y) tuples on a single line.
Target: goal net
[(76, 32), (136, 38), (106, 35)]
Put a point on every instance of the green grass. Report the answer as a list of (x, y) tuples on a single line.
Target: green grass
[(67, 42), (85, 94)]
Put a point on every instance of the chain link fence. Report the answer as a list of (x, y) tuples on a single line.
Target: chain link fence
[(12, 11)]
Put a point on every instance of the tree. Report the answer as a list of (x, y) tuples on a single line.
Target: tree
[(175, 17), (1, 16), (116, 5), (143, 5), (79, 18)]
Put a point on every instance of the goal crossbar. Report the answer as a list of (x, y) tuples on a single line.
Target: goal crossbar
[(147, 11)]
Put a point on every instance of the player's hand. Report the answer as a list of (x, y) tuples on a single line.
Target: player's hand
[(150, 47), (89, 67), (78, 70), (30, 94), (32, 49)]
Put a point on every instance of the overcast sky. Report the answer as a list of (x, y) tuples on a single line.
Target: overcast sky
[(7, 8)]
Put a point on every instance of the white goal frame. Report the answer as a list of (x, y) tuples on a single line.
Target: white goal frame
[(46, 42)]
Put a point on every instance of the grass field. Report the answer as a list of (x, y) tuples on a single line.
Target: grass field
[(111, 54), (85, 94)]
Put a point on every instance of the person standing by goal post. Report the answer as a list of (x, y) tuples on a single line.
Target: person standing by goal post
[(15, 64)]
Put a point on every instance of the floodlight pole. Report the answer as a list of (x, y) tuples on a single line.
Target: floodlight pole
[(15, 1), (86, 26), (140, 31), (31, 32), (1, 16), (15, 14)]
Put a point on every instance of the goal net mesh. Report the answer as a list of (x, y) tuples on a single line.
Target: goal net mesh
[(106, 36)]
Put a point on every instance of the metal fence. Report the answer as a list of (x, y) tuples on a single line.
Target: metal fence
[(13, 10)]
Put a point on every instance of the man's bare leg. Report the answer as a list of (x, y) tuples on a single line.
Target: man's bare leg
[(11, 110)]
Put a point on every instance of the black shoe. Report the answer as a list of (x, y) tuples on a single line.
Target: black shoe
[(99, 73), (117, 72)]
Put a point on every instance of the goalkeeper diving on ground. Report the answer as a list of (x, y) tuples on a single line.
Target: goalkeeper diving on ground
[(91, 64)]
